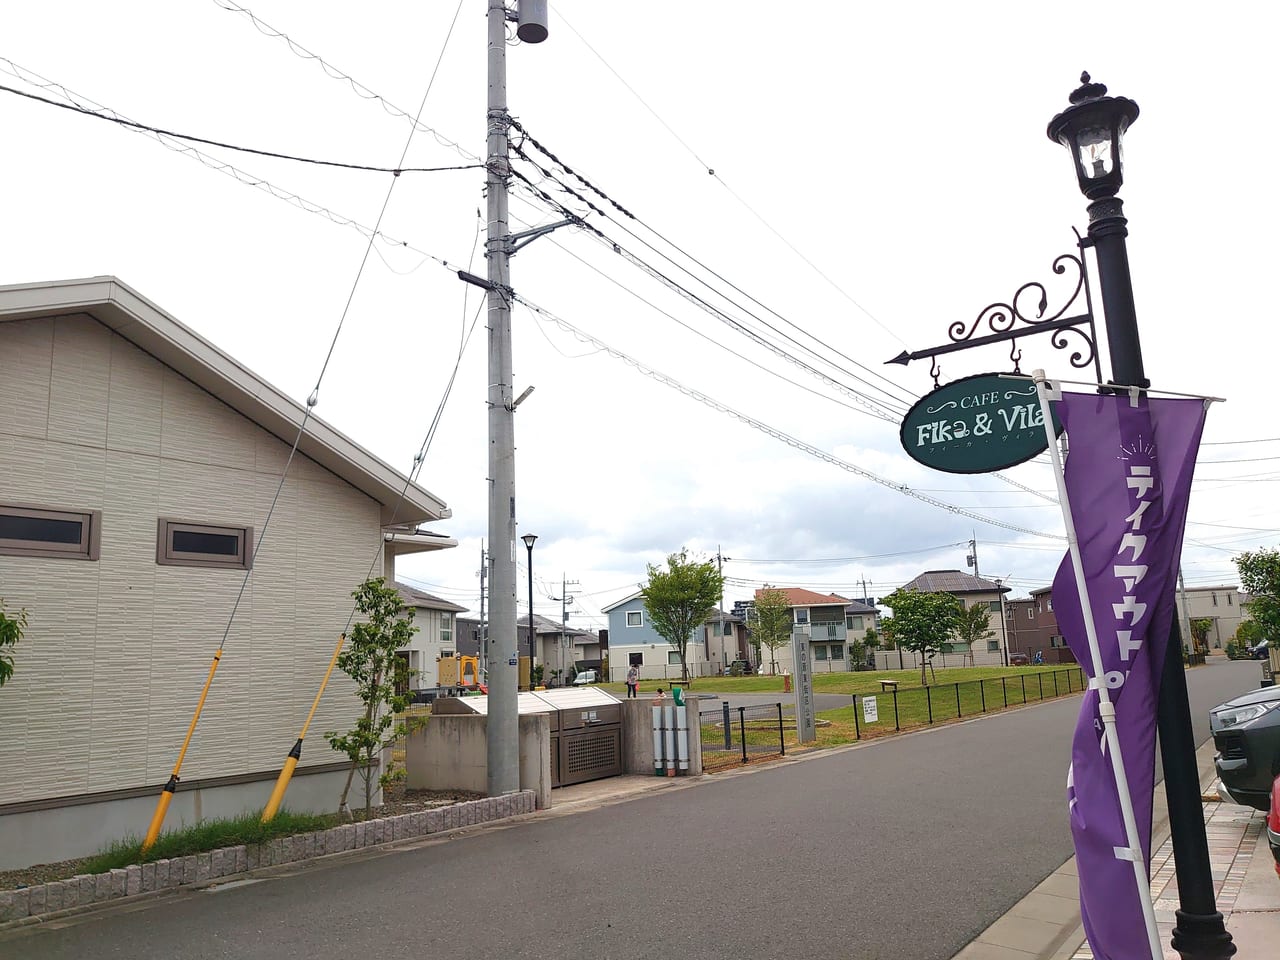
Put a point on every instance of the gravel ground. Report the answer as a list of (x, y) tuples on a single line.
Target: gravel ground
[(398, 800)]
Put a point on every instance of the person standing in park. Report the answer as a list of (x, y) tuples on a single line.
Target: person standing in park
[(633, 681)]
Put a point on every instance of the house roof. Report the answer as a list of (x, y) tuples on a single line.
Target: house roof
[(953, 581), (857, 606), (122, 309), (717, 614), (627, 599), (800, 597), (544, 625), (426, 601)]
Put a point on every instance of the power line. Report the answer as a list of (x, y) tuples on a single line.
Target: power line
[(160, 131), (711, 171), (335, 74), (774, 432), (617, 206)]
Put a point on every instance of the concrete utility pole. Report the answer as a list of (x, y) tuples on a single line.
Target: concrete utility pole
[(720, 570), (565, 600), (504, 750)]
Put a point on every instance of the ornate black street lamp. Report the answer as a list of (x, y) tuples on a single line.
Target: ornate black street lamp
[(529, 539), (1092, 129)]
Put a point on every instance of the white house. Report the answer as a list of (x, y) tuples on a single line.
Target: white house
[(139, 462), (633, 641), (436, 636), (831, 623)]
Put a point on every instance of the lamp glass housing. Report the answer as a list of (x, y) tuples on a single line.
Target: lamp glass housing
[(1092, 129)]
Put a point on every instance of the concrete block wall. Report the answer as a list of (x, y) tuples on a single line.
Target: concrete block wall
[(450, 752), (637, 737)]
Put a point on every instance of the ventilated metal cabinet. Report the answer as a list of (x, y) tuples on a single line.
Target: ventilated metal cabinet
[(586, 729)]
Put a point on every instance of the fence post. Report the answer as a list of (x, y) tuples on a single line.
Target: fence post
[(1004, 692), (982, 692), (782, 737), (958, 713), (1055, 683), (728, 727), (1040, 681), (928, 695), (742, 729), (895, 709), (857, 733)]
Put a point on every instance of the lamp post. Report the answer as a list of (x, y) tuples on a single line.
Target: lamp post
[(1004, 628), (529, 539), (1092, 129)]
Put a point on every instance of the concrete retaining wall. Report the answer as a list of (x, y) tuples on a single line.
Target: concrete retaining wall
[(450, 752), (637, 737), (62, 896)]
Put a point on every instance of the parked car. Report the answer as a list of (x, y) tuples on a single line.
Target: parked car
[(1273, 823), (1246, 732), (1018, 659), (585, 677), (1259, 652)]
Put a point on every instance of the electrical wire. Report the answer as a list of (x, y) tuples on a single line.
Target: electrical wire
[(777, 434), (711, 171), (335, 74), (192, 138), (826, 347)]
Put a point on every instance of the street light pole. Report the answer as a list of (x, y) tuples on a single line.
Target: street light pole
[(1004, 629), (529, 539), (1091, 129)]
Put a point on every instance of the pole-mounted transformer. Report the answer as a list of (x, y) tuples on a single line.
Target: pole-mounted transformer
[(531, 17)]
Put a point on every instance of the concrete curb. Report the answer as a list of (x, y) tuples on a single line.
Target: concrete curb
[(59, 898)]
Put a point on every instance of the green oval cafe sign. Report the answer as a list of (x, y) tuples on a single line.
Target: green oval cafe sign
[(977, 424)]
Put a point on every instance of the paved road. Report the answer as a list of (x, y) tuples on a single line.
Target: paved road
[(905, 847)]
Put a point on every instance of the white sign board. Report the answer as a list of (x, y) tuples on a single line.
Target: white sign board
[(806, 719), (870, 713)]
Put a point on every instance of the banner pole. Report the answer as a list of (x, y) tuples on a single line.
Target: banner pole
[(1106, 709)]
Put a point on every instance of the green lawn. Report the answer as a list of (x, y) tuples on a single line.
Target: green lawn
[(869, 682)]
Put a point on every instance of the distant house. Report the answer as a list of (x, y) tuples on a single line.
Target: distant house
[(633, 641), (971, 591), (1225, 606), (562, 650), (436, 637), (139, 465), (831, 622), (726, 638), (1032, 628)]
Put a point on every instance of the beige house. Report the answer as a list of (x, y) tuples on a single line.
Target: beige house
[(1226, 606), (139, 462), (830, 622), (436, 637), (971, 591)]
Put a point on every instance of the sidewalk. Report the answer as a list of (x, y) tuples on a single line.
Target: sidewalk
[(1045, 925)]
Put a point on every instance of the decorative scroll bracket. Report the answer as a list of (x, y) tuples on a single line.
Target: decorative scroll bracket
[(1012, 320)]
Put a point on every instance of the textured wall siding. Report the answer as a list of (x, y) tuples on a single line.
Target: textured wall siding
[(118, 649)]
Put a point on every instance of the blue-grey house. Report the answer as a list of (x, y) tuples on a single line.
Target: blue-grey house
[(632, 640)]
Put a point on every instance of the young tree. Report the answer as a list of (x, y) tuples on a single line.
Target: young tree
[(11, 631), (1260, 579), (973, 625), (369, 658), (921, 622), (679, 600), (772, 623), (1200, 627)]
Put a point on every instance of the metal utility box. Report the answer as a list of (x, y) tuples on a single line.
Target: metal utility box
[(586, 729)]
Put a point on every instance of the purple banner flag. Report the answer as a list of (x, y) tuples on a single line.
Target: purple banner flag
[(1128, 480)]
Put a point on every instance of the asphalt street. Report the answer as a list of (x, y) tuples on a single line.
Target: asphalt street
[(905, 847)]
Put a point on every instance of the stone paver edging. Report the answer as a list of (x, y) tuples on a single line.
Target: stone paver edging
[(30, 903)]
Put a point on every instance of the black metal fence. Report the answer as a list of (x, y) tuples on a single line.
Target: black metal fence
[(734, 735), (901, 708)]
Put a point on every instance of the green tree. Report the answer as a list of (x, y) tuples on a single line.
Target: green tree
[(1249, 634), (1260, 579), (1200, 627), (680, 599), (369, 659), (771, 623), (11, 631), (973, 625), (921, 622)]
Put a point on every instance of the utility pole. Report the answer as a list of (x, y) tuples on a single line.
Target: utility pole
[(972, 558), (1186, 610), (503, 770), (565, 600), (720, 570)]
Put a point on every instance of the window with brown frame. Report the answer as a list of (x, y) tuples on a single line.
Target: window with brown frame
[(185, 544), (30, 531)]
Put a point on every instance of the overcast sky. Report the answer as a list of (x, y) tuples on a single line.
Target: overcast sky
[(880, 172)]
